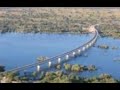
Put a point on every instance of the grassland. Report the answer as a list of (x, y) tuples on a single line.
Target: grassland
[(60, 20)]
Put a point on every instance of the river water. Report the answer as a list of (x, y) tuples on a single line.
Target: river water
[(103, 59), (17, 49)]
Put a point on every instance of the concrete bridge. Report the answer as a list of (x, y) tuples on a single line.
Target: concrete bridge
[(63, 57)]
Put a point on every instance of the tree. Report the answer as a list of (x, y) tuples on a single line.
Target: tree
[(2, 68), (75, 67), (67, 66)]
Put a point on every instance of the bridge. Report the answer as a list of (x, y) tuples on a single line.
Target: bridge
[(62, 57)]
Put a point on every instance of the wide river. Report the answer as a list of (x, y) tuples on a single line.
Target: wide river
[(18, 49)]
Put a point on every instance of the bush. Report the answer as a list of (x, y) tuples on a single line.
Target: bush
[(75, 67), (16, 78), (42, 75), (91, 68), (71, 76), (2, 68), (50, 75), (115, 48), (67, 66), (24, 78), (85, 68), (59, 73), (58, 66), (103, 46), (82, 68), (42, 58), (11, 75), (102, 76), (106, 78), (34, 74)]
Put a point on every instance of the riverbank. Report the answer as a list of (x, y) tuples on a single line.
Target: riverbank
[(55, 77)]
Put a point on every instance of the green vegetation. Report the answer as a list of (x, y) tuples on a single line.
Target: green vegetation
[(115, 48), (2, 68), (110, 29), (42, 58), (9, 77), (67, 66), (103, 78), (61, 77), (38, 20), (58, 66), (103, 46), (56, 77), (92, 68), (60, 20), (75, 67), (79, 68)]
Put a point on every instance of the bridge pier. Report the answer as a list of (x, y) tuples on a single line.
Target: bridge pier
[(59, 60), (73, 54), (90, 44), (79, 51), (38, 68), (49, 64), (67, 57), (95, 39), (83, 48), (87, 46)]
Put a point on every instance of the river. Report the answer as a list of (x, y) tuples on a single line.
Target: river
[(17, 49)]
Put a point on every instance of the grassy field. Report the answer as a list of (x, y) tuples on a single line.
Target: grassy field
[(60, 20)]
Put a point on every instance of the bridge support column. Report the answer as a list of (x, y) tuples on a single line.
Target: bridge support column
[(87, 46), (59, 60), (95, 39), (79, 51), (90, 44), (38, 68), (73, 54), (67, 57), (83, 48), (49, 64)]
